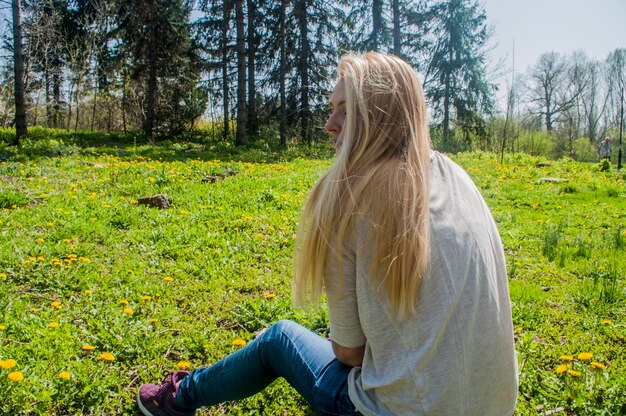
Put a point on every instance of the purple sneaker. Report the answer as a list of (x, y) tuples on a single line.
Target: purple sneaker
[(161, 400)]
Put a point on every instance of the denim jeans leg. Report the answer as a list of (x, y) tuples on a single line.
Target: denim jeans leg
[(286, 350)]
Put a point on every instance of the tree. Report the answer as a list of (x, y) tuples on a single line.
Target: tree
[(157, 34), (21, 129), (551, 89), (242, 114), (455, 77)]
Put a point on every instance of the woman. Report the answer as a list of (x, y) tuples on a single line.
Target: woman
[(409, 257)]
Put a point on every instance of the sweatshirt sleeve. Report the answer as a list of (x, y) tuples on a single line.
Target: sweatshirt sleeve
[(341, 294)]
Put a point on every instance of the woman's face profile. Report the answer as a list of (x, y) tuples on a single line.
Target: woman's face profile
[(337, 118)]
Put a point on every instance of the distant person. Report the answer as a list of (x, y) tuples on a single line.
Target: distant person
[(408, 254), (605, 149)]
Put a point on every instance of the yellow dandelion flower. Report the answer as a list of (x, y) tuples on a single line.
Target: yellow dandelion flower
[(53, 325), (84, 259), (106, 356), (16, 376), (566, 358), (153, 320), (517, 264), (598, 365), (269, 296), (128, 311), (607, 322), (124, 302), (259, 235), (72, 256), (574, 373), (239, 342), (56, 304), (584, 356), (3, 275), (88, 348), (40, 258), (168, 279), (562, 368), (146, 297), (2, 327), (88, 292), (183, 364), (67, 240), (6, 364), (39, 240), (65, 375)]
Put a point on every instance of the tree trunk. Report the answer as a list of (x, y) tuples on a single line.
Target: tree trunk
[(151, 92), (242, 115), (377, 12), (303, 68), (21, 129), (283, 74), (225, 89), (252, 115), (56, 96), (397, 41)]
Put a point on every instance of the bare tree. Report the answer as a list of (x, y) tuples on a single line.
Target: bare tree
[(552, 91)]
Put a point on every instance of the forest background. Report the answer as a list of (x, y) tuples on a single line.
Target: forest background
[(261, 70)]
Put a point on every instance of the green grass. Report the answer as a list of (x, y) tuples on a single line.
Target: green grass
[(72, 232)]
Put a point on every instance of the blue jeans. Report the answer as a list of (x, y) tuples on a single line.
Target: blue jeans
[(286, 350)]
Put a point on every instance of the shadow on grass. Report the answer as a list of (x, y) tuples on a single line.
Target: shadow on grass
[(49, 143)]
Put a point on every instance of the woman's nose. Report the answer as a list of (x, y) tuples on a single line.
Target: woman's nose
[(331, 125)]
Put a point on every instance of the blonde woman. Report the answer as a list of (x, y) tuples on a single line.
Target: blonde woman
[(401, 242)]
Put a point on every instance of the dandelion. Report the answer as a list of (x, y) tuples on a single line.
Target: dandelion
[(153, 320), (584, 356), (6, 364), (598, 365), (56, 304), (106, 356), (607, 322), (146, 297), (53, 325), (517, 264), (67, 240), (128, 311), (124, 302), (183, 364), (88, 348), (40, 258), (259, 235), (88, 292), (574, 373), (84, 259), (3, 275), (239, 342), (566, 358), (39, 240), (16, 376), (65, 375), (562, 368), (168, 279), (2, 327), (269, 296)]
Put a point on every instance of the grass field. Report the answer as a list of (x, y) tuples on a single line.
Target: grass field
[(99, 293)]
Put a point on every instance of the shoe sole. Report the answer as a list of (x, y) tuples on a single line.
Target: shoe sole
[(145, 411)]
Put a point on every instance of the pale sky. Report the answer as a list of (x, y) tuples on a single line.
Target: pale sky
[(537, 26)]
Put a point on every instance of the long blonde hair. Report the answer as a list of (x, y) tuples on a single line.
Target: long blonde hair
[(380, 175)]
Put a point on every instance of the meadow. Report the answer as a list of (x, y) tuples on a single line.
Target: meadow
[(99, 294)]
